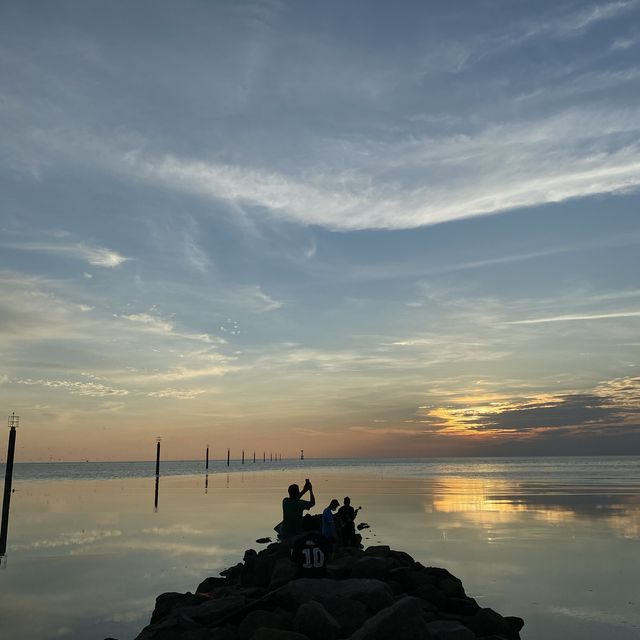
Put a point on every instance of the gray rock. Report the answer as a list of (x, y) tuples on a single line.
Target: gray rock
[(374, 567), (212, 610), (375, 595), (341, 567), (168, 602), (403, 620), (256, 619), (277, 634), (314, 621), (283, 571), (379, 551), (451, 586), (449, 630), (488, 622), (350, 614)]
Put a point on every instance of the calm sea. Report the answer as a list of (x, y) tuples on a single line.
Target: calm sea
[(554, 540)]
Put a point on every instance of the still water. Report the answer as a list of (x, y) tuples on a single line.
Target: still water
[(554, 540)]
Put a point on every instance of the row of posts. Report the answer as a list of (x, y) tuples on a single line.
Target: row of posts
[(8, 477), (277, 457)]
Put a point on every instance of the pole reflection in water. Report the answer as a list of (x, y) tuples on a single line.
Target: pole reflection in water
[(206, 483), (155, 499)]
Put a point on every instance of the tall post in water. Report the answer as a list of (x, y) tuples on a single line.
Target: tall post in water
[(243, 456), (254, 457), (264, 456), (228, 456), (158, 456), (206, 464), (8, 479), (271, 457)]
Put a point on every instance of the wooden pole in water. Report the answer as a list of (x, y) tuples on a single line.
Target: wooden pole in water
[(157, 456), (228, 456), (243, 456), (206, 465), (271, 457), (8, 479), (254, 457), (264, 456)]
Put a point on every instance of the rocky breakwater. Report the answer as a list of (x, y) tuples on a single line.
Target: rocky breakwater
[(375, 594)]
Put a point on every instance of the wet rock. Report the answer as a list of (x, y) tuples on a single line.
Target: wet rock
[(314, 621), (403, 620)]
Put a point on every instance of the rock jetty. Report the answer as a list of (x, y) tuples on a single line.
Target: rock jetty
[(371, 594)]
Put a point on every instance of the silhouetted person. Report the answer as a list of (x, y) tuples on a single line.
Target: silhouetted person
[(292, 508), (347, 515), (328, 523)]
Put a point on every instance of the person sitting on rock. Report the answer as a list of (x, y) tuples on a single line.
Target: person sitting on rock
[(347, 516), (328, 524), (292, 509)]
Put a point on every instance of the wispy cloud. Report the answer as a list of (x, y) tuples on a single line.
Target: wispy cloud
[(154, 323), (578, 318), (94, 255), (78, 388)]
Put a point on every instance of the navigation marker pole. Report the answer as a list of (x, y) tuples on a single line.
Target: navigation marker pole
[(8, 479)]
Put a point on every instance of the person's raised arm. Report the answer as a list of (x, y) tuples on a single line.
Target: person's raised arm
[(312, 500), (307, 486)]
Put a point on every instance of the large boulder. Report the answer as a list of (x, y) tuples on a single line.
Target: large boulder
[(403, 619), (255, 620), (375, 595), (284, 571), (379, 551), (213, 610), (168, 602), (374, 567), (350, 614), (314, 621)]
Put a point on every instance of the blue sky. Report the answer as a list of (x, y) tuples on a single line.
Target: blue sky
[(355, 228)]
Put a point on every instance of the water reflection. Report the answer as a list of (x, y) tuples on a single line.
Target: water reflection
[(155, 497), (501, 501), (526, 548)]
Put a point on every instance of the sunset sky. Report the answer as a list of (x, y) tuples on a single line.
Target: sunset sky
[(354, 228)]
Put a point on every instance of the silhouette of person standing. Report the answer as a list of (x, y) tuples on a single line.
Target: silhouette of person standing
[(347, 515), (292, 509), (328, 523)]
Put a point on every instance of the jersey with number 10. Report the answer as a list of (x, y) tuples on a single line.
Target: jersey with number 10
[(310, 553)]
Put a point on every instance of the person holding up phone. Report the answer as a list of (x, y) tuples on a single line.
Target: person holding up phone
[(292, 509)]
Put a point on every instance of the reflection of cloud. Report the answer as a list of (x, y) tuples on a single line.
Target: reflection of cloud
[(74, 539)]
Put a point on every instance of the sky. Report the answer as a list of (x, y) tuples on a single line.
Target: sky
[(355, 228)]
